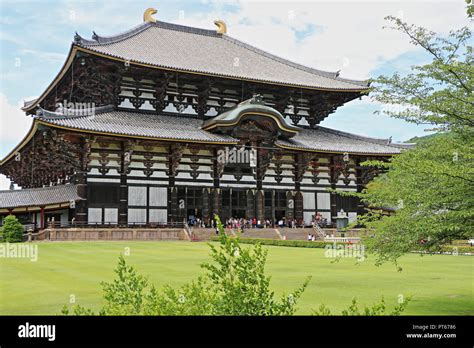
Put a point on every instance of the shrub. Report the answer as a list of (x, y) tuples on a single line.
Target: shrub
[(377, 309), (449, 249), (12, 230)]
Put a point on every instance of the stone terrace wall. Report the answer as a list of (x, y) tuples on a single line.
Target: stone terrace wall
[(69, 234)]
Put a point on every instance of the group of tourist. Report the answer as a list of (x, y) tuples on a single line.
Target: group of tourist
[(242, 223), (196, 222), (319, 220)]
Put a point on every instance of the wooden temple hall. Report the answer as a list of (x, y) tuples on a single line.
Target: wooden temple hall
[(163, 122)]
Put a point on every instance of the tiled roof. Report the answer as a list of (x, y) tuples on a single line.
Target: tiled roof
[(38, 196), (189, 129), (190, 49), (141, 125), (326, 139)]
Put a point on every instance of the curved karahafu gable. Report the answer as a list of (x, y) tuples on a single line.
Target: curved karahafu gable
[(253, 110)]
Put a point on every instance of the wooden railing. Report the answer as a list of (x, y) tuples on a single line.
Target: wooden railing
[(319, 231), (342, 239)]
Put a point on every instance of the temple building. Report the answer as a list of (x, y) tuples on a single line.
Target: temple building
[(164, 121)]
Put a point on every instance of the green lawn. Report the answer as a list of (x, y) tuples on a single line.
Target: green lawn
[(439, 284)]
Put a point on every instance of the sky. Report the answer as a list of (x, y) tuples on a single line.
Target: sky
[(35, 37)]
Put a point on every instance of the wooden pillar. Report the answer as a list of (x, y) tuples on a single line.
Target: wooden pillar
[(360, 185), (81, 205), (215, 169), (206, 206), (273, 206), (259, 169), (333, 181), (298, 207), (81, 181), (290, 206), (125, 159), (41, 218), (215, 195), (216, 202), (70, 213), (250, 211), (260, 205), (173, 157), (173, 205), (301, 163)]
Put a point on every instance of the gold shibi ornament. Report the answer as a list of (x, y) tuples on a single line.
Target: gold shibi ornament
[(221, 27), (147, 15)]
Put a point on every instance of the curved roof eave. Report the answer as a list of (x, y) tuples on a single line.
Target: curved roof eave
[(98, 40), (359, 153), (70, 58), (81, 44), (357, 87), (22, 143)]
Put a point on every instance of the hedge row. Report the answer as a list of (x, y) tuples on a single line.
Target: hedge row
[(322, 244), (450, 249), (286, 243)]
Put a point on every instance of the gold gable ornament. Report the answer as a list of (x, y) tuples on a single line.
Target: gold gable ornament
[(147, 15), (221, 27)]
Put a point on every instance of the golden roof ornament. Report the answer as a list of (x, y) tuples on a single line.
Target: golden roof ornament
[(221, 27), (147, 15)]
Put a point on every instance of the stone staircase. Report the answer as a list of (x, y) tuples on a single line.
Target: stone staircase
[(202, 233), (295, 233), (318, 232), (268, 233)]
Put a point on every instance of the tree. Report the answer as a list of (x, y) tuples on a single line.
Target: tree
[(470, 8), (433, 192), (431, 186), (440, 93), (235, 284), (12, 229)]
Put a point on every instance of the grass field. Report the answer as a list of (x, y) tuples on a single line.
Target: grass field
[(439, 284)]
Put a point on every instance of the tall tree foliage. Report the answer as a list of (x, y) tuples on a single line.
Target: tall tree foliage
[(440, 93), (431, 186)]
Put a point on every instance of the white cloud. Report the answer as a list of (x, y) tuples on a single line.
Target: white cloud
[(9, 38), (14, 124), (45, 56), (5, 183), (349, 35)]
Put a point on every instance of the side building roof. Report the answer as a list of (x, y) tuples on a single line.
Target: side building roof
[(10, 199)]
